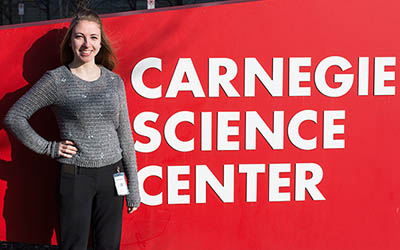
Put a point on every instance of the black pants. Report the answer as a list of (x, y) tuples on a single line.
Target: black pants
[(88, 196)]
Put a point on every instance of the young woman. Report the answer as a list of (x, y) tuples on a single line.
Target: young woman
[(89, 103)]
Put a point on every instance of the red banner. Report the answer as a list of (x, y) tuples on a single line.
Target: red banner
[(258, 125)]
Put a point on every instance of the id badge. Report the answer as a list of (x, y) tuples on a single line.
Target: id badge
[(120, 184)]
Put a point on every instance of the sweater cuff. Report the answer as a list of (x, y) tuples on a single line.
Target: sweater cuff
[(131, 201), (54, 149)]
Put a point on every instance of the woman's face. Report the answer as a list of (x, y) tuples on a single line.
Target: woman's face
[(85, 41)]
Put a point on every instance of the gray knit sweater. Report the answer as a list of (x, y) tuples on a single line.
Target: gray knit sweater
[(93, 115)]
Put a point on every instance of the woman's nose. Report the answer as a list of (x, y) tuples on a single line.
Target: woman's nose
[(86, 42)]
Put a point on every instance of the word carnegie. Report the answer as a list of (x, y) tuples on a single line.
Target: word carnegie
[(219, 129), (274, 85)]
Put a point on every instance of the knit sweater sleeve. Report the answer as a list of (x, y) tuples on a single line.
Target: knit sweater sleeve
[(42, 94), (128, 151)]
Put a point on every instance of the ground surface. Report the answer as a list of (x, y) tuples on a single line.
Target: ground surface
[(23, 246)]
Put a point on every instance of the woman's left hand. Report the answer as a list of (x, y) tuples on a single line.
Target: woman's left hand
[(131, 209)]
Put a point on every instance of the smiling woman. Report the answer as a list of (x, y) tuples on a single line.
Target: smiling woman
[(85, 41), (86, 34), (96, 149)]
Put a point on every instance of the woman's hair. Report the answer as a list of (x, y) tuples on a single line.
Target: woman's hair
[(105, 57)]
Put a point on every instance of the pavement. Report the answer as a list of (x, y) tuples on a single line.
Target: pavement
[(23, 246)]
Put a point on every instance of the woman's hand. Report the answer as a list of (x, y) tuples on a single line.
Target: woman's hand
[(67, 149), (132, 209)]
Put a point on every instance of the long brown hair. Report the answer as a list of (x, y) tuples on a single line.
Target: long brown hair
[(105, 57)]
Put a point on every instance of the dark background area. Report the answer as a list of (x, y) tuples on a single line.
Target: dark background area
[(41, 10)]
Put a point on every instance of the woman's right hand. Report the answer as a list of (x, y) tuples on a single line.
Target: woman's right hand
[(67, 149)]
